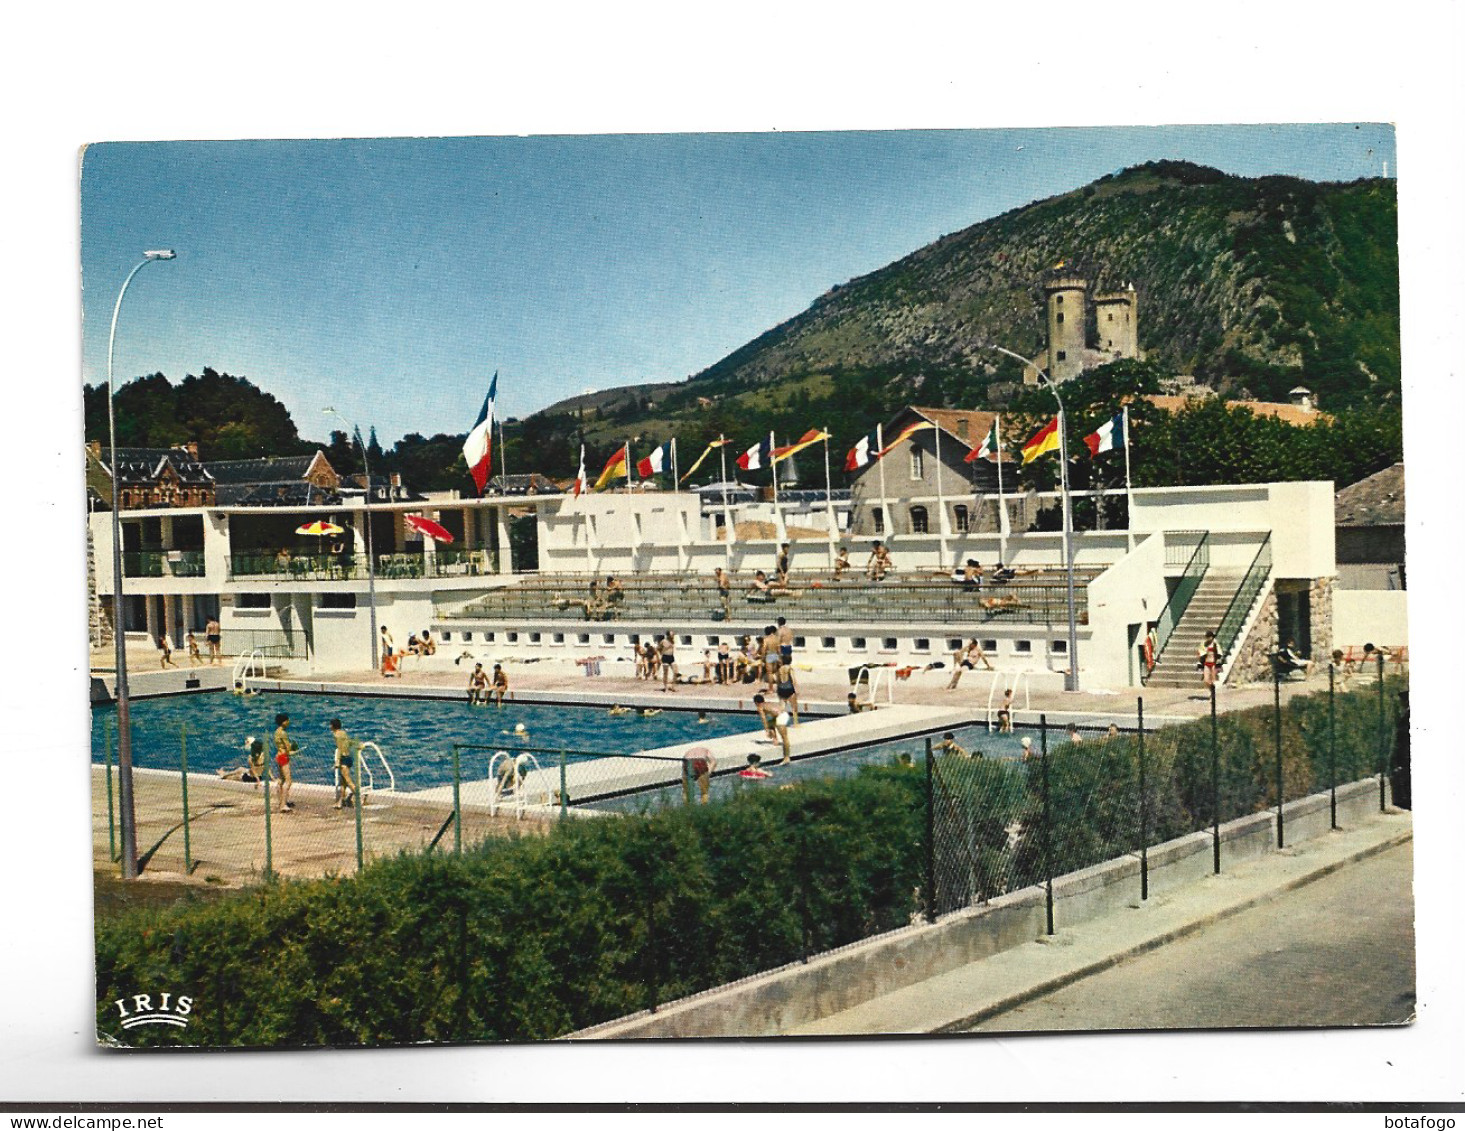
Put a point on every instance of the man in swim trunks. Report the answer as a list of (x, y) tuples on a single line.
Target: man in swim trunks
[(666, 648), (700, 764), (214, 637), (284, 749), (478, 686), (345, 762), (500, 683), (785, 643), (966, 660)]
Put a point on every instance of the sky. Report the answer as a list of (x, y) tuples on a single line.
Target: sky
[(391, 278)]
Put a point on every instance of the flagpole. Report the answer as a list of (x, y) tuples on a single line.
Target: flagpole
[(676, 486), (629, 469), (828, 496), (1128, 485), (1001, 502), (880, 459), (727, 523), (503, 454), (779, 533), (940, 503)]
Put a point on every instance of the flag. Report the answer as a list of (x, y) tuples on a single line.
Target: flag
[(1044, 440), (581, 482), (707, 451), (863, 454), (905, 434), (657, 461), (1109, 436), (615, 466), (478, 447), (758, 455), (987, 449), (808, 439)]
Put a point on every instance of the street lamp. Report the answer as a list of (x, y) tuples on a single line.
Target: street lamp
[(365, 517), (127, 816), (1070, 683)]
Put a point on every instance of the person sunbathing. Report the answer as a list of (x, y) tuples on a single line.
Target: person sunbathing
[(1001, 604)]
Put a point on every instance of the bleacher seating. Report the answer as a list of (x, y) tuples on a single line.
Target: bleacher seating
[(1031, 598)]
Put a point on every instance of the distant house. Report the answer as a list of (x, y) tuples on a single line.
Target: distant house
[(900, 494), (1300, 411), (275, 481), (149, 477), (1369, 529)]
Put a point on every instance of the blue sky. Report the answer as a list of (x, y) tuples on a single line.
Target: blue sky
[(391, 278)]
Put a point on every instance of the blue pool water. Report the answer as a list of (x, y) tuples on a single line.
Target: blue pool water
[(416, 735)]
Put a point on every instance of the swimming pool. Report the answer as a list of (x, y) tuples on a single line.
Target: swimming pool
[(416, 735)]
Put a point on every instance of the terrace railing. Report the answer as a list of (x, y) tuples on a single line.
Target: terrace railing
[(271, 643), (339, 567), (1240, 607), (162, 563), (1195, 569)]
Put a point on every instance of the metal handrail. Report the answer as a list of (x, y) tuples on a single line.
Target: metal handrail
[(1190, 579), (1237, 610)]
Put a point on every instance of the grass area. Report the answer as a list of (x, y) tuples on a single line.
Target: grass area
[(113, 897)]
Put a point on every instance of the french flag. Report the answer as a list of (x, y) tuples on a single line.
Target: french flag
[(758, 455), (478, 447), (863, 454), (582, 483), (1109, 436), (657, 461)]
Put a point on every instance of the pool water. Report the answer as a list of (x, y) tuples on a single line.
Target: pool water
[(416, 735)]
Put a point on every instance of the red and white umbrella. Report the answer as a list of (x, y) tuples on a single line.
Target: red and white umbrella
[(433, 530)]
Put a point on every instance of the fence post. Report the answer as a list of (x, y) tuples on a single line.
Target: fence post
[(458, 806), (1215, 789), (565, 786), (1332, 750), (1047, 819), (183, 766), (653, 958), (269, 841), (1144, 808), (358, 803), (1382, 743), (112, 853), (930, 835), (1277, 731)]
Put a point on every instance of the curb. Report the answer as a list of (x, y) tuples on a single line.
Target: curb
[(1069, 977)]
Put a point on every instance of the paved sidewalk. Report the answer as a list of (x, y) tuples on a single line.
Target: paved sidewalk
[(962, 999)]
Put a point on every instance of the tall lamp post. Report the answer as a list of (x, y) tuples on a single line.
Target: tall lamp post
[(366, 517), (127, 815), (1070, 683)]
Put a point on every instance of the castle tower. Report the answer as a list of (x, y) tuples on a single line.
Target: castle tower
[(1066, 338), (1116, 319)]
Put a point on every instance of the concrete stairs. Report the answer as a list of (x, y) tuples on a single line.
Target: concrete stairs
[(1207, 606)]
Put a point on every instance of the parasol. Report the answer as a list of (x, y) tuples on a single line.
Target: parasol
[(426, 526), (319, 527)]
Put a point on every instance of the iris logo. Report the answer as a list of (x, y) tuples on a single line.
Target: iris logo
[(169, 1011)]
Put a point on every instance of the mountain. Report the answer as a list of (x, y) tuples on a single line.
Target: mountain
[(1251, 285)]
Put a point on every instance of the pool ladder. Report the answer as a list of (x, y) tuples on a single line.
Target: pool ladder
[(1017, 681), (873, 679), (530, 769), (368, 778), (249, 665)]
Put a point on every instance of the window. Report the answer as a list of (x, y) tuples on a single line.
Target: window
[(1060, 300), (535, 637), (877, 515), (918, 463), (799, 642), (685, 640), (1058, 647), (1022, 647), (963, 519), (338, 600), (251, 600), (558, 638), (953, 643), (923, 644), (888, 644), (487, 637), (1059, 319), (1111, 317), (447, 637), (512, 637), (607, 637), (1062, 355), (467, 637), (583, 638), (827, 643), (989, 646), (919, 520), (713, 641), (857, 643)]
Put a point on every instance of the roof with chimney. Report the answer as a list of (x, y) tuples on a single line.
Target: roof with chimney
[(272, 469), (146, 465)]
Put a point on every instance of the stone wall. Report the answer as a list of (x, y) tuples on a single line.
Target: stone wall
[(1252, 664), (1321, 625)]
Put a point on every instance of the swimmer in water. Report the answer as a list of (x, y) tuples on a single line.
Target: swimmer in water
[(702, 717), (649, 712), (619, 710), (519, 731)]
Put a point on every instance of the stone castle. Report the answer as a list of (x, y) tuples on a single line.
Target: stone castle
[(1116, 329)]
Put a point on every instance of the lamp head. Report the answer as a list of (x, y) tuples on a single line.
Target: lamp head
[(161, 253)]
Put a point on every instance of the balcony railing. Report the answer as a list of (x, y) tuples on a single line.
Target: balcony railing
[(338, 567), (162, 563)]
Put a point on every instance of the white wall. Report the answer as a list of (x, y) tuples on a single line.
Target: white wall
[(1370, 616), (1131, 592)]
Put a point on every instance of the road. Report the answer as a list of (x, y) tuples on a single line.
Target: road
[(1336, 952)]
